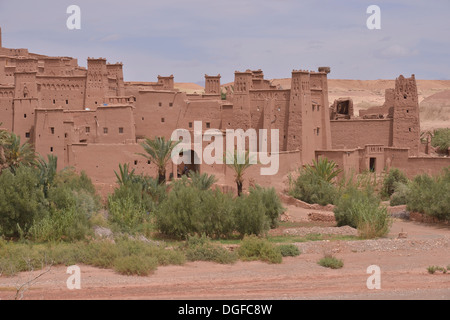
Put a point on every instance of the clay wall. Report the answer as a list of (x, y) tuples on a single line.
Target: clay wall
[(6, 107), (62, 92), (49, 134), (358, 133)]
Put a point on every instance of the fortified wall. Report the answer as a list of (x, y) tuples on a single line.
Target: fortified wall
[(93, 120)]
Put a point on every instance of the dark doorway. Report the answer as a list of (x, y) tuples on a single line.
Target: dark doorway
[(185, 168), (372, 164)]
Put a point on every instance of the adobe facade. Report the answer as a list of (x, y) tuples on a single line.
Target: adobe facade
[(93, 120)]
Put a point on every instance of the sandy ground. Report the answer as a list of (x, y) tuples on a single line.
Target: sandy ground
[(403, 266)]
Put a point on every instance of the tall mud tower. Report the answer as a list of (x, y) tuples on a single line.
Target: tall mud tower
[(406, 124)]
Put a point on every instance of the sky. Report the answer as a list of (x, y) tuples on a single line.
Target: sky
[(191, 38)]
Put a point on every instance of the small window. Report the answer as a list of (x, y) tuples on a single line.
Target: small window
[(52, 130), (67, 101), (54, 101), (409, 129), (171, 104), (313, 107), (163, 120), (65, 135), (318, 131), (407, 111), (135, 162), (27, 135), (96, 102), (190, 124), (105, 130), (120, 130), (318, 108), (25, 115), (51, 149), (148, 162), (160, 104), (142, 118), (88, 129), (208, 125)]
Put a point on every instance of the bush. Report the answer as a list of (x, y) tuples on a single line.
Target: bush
[(254, 248), (361, 209), (189, 211), (135, 265), (250, 215), (126, 256), (289, 250), (431, 195), (391, 180), (21, 201), (400, 196), (201, 249), (271, 202), (328, 261), (66, 224), (313, 189), (441, 139)]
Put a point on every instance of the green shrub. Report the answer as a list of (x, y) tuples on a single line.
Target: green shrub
[(201, 249), (391, 180), (433, 269), (189, 211), (271, 202), (441, 139), (400, 196), (126, 213), (250, 215), (254, 248), (430, 195), (135, 265), (328, 261), (21, 201), (362, 209), (313, 189), (65, 224), (289, 250)]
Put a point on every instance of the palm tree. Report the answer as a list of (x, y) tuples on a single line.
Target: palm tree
[(239, 163), (159, 150), (124, 176), (47, 171), (324, 169), (15, 153), (202, 181)]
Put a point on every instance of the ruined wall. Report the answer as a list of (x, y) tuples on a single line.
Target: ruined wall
[(347, 160), (356, 133)]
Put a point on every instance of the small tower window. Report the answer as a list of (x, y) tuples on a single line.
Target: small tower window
[(52, 130), (171, 104), (25, 115), (190, 124), (67, 101), (105, 130), (208, 125), (88, 129), (120, 130), (51, 149), (160, 104), (27, 135), (163, 120)]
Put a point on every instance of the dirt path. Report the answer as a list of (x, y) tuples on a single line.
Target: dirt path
[(403, 266)]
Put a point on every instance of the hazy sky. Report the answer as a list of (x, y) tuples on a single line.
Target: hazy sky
[(188, 38)]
